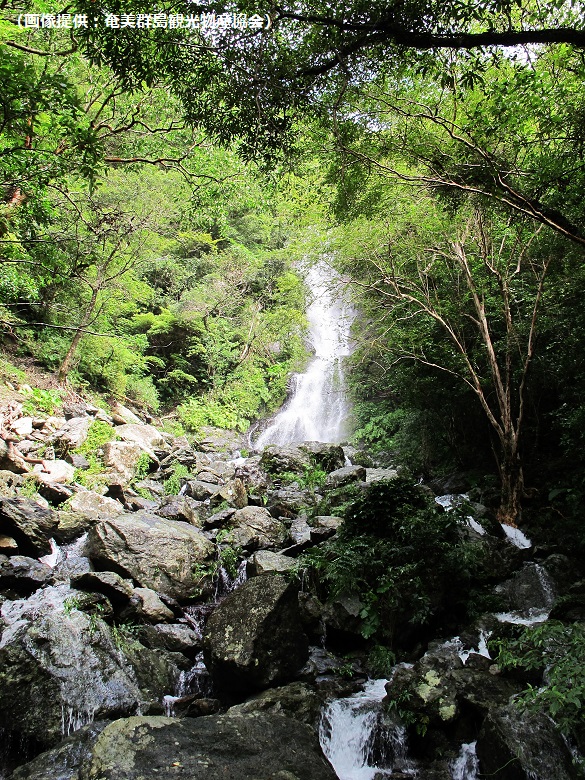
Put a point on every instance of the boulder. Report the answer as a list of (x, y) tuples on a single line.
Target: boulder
[(71, 435), (288, 501), (23, 575), (92, 505), (147, 437), (111, 585), (345, 476), (72, 524), (529, 588), (184, 509), (54, 471), (296, 700), (327, 456), (514, 745), (122, 415), (201, 491), (8, 545), (66, 667), (254, 528), (376, 475), (165, 555), (279, 460), (238, 746), (326, 521), (266, 562), (29, 524), (23, 426), (9, 481), (254, 638), (146, 604), (178, 638), (252, 475), (300, 530), (234, 493), (78, 461), (122, 457)]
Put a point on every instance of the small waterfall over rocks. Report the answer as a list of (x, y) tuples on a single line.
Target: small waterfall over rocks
[(318, 408)]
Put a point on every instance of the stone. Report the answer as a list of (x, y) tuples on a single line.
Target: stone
[(110, 584), (377, 475), (326, 521), (78, 461), (220, 519), (288, 501), (8, 545), (23, 426), (71, 525), (345, 476), (30, 524), (54, 492), (51, 471), (165, 555), (183, 508), (122, 457), (252, 475), (254, 637), (146, 436), (300, 530), (92, 505), (328, 457), (266, 562), (529, 588), (178, 638), (71, 435), (145, 603), (9, 481), (219, 440), (296, 700), (238, 746), (279, 460), (23, 575), (515, 745), (233, 492), (254, 528), (124, 414), (201, 491), (209, 477), (67, 668)]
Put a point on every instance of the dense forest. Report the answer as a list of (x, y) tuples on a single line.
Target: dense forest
[(169, 173)]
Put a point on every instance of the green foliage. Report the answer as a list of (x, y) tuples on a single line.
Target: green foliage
[(312, 477), (98, 434), (142, 467), (559, 650), (174, 482), (380, 661), (41, 401), (402, 557)]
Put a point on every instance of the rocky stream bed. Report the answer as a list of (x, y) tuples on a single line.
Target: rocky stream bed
[(148, 635)]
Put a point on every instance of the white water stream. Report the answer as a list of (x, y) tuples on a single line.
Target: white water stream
[(318, 409)]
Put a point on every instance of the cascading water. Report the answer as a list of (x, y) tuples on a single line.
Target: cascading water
[(318, 408), (357, 742)]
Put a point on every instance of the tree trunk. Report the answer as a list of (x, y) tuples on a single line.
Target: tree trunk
[(512, 482), (65, 366)]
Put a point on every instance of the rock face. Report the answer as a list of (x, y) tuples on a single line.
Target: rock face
[(22, 574), (164, 555), (60, 668), (517, 746), (28, 523), (146, 436), (122, 457), (254, 638), (254, 528), (93, 505), (243, 746)]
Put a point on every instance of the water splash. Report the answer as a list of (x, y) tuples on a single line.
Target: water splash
[(318, 408), (357, 742), (466, 765)]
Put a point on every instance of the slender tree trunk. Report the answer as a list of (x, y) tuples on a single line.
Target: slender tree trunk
[(65, 366), (512, 481)]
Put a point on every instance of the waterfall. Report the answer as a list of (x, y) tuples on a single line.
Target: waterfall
[(465, 766), (357, 741), (318, 409)]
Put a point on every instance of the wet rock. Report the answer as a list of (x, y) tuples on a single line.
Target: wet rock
[(345, 476), (184, 509), (288, 501), (329, 457), (152, 485), (65, 666), (114, 587), (253, 476), (300, 530), (23, 575), (296, 700), (92, 505), (30, 524), (266, 562), (514, 745), (254, 638), (71, 525), (342, 614), (219, 440), (263, 746), (530, 588), (164, 555), (254, 528)]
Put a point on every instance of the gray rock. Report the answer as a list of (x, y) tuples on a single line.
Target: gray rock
[(253, 476), (124, 414), (530, 588), (72, 524), (178, 638), (254, 638), (254, 528), (92, 505), (165, 555), (513, 745), (146, 604), (122, 457), (233, 492), (327, 456), (71, 435), (296, 700), (201, 491), (345, 476), (326, 521), (117, 589), (279, 460), (300, 530), (288, 501), (9, 481), (183, 508), (266, 562), (30, 524), (376, 475), (238, 746), (23, 575), (8, 545), (66, 667), (147, 437), (54, 471)]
